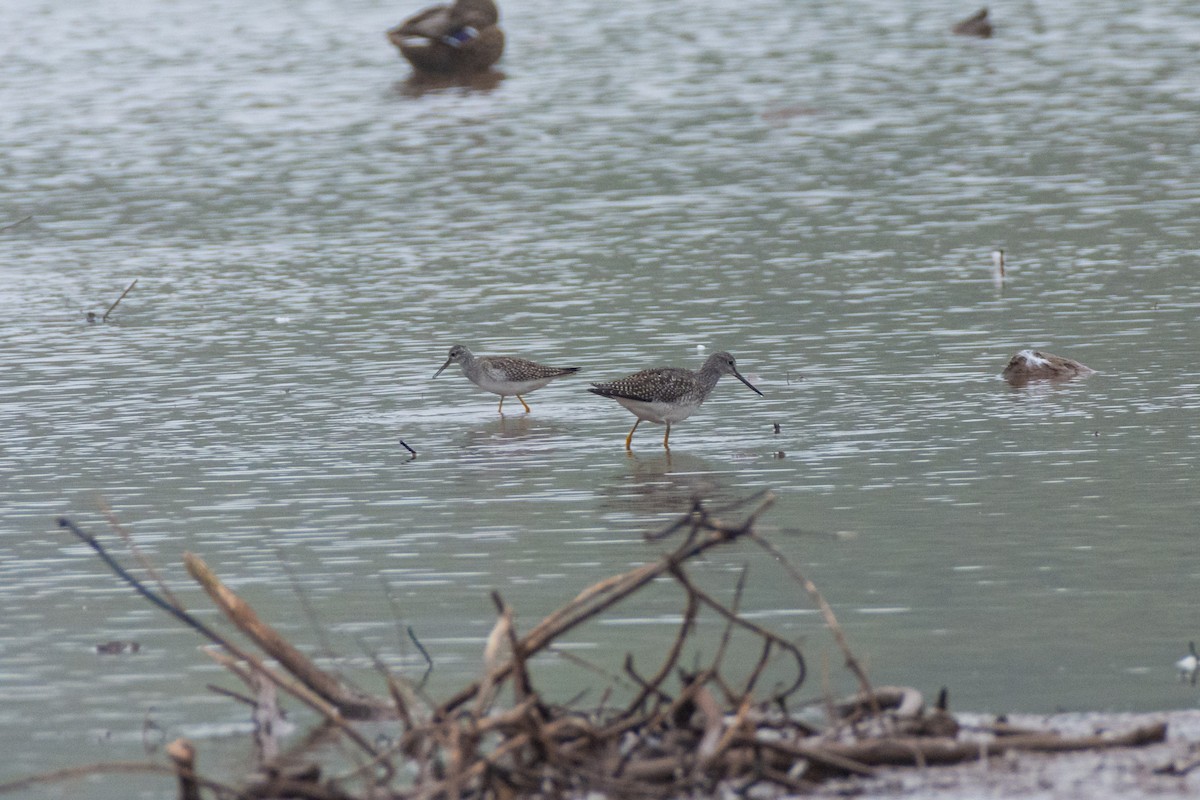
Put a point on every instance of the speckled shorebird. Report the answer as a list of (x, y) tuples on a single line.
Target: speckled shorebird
[(1034, 365), (668, 394), (504, 375)]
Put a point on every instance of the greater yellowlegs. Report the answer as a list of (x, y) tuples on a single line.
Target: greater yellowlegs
[(1034, 365), (504, 375), (668, 394)]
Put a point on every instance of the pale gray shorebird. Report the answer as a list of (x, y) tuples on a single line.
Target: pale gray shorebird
[(667, 395), (507, 376)]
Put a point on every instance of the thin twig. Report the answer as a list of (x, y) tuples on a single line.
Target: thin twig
[(412, 635), (238, 696), (118, 300), (396, 690), (310, 612), (734, 606), (685, 628), (769, 639), (115, 524), (21, 221), (406, 632), (580, 661), (839, 636), (175, 611), (693, 517), (764, 497)]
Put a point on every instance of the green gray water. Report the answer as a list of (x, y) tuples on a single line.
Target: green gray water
[(817, 190)]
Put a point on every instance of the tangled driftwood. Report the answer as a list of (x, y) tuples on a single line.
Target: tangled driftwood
[(681, 732)]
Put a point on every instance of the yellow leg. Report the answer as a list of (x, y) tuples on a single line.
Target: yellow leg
[(629, 438), (666, 436), (523, 403)]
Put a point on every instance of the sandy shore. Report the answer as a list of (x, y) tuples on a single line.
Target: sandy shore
[(1113, 774)]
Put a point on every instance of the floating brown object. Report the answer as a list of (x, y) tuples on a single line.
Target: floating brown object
[(975, 25), (116, 648), (462, 37), (1034, 365)]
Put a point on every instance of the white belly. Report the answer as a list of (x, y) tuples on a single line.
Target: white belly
[(509, 388), (662, 413)]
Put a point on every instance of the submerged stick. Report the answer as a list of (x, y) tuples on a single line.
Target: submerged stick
[(118, 300), (174, 610), (407, 630), (12, 225), (310, 612), (147, 565), (412, 635), (839, 636)]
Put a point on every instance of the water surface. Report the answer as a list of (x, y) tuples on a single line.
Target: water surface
[(816, 190)]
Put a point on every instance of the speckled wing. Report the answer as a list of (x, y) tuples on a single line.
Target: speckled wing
[(507, 368), (664, 385)]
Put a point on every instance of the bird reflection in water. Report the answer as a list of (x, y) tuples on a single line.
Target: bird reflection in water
[(661, 483)]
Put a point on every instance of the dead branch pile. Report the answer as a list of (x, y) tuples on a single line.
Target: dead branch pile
[(696, 731)]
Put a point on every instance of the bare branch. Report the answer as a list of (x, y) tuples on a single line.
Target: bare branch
[(116, 302)]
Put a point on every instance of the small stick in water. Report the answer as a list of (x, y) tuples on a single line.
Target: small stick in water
[(118, 300), (12, 225), (409, 449), (412, 635)]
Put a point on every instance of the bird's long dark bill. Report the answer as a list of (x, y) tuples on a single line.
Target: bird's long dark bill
[(448, 360), (738, 375)]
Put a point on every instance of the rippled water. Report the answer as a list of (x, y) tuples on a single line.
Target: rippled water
[(817, 190)]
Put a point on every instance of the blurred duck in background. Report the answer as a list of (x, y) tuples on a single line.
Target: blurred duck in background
[(1035, 365), (977, 24), (461, 37)]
